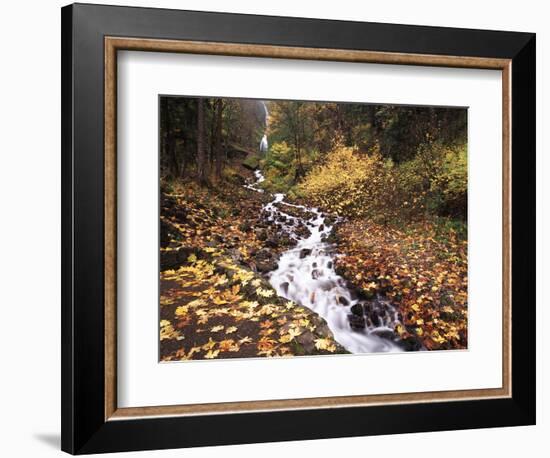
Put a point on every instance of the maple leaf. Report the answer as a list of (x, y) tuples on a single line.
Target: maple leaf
[(209, 345), (264, 292), (217, 328), (231, 330), (266, 324), (294, 332), (168, 332), (265, 344), (192, 351), (218, 300), (228, 345), (181, 310), (285, 338), (211, 354), (322, 343), (202, 320)]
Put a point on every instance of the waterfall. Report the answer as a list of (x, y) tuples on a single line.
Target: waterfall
[(263, 144), (266, 113)]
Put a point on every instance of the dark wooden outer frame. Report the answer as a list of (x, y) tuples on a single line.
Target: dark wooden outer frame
[(90, 36)]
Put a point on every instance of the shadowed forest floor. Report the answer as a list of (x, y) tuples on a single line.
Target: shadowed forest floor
[(214, 301)]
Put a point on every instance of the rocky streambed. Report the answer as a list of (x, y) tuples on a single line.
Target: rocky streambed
[(305, 273)]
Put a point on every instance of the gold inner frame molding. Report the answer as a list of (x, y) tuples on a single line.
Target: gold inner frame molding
[(114, 44)]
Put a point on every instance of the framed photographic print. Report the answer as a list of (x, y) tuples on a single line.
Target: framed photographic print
[(273, 221)]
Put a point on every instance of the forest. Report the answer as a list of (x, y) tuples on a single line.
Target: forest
[(294, 228)]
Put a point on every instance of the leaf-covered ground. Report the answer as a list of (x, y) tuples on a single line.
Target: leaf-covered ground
[(425, 274), (214, 301), (214, 308)]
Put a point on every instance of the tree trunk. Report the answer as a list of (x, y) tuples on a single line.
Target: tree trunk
[(201, 153), (218, 139), (170, 142)]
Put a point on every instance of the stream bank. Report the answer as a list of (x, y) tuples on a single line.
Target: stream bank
[(305, 274)]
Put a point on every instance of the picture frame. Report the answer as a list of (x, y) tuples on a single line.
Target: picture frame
[(92, 35)]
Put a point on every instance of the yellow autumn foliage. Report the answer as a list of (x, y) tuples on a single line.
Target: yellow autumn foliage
[(356, 183), (348, 183)]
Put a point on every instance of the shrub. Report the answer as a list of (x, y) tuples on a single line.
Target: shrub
[(352, 183), (252, 162), (349, 183), (280, 166)]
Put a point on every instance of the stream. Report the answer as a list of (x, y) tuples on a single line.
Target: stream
[(306, 275)]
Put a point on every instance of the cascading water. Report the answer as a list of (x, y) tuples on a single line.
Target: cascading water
[(259, 179), (266, 113), (306, 275), (263, 144)]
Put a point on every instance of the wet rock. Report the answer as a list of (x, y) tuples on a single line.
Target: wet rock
[(165, 233), (272, 242), (332, 238), (264, 266), (343, 301), (302, 231), (265, 261), (357, 309), (366, 294), (264, 253), (235, 254), (410, 344), (384, 334), (315, 274), (284, 287), (321, 228), (261, 234), (285, 241), (375, 318), (307, 341), (245, 227), (329, 265), (304, 252), (174, 258), (356, 322)]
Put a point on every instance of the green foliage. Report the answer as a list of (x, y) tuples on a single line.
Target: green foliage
[(280, 167), (232, 175), (252, 162), (451, 182), (352, 183)]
